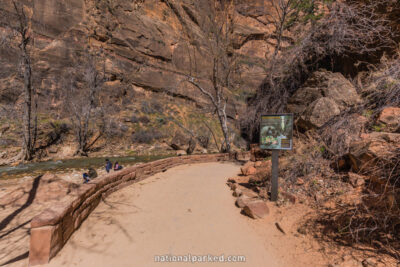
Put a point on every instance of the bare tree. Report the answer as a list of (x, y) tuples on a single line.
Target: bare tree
[(220, 46), (20, 25), (82, 97), (285, 15)]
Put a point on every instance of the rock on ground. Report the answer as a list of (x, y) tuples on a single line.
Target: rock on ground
[(257, 209)]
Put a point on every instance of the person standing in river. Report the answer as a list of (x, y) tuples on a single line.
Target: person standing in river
[(108, 165)]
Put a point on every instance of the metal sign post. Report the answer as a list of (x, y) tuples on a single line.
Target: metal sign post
[(276, 133), (274, 179)]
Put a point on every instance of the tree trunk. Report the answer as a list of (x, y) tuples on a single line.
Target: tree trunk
[(28, 144), (225, 130)]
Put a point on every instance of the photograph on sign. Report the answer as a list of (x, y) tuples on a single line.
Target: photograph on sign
[(276, 131)]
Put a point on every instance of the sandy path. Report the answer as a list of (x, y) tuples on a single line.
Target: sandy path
[(185, 210)]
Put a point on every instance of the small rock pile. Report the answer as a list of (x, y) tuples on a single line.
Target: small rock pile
[(250, 198)]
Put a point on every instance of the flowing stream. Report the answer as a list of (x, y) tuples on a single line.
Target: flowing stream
[(36, 168)]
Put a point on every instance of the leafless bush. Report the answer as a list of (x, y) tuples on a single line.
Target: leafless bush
[(375, 220), (384, 86), (152, 107), (82, 92), (115, 130), (307, 162), (341, 131), (146, 136)]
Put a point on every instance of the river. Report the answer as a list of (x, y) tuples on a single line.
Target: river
[(36, 168)]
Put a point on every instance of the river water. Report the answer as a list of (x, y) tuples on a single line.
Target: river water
[(36, 168)]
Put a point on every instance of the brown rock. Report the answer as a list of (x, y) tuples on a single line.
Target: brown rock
[(256, 209), (249, 193), (371, 148), (237, 192), (248, 169), (318, 113), (242, 201), (179, 141), (391, 118), (324, 95), (40, 245), (324, 84)]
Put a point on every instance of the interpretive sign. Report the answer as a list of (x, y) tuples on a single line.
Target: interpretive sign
[(276, 132)]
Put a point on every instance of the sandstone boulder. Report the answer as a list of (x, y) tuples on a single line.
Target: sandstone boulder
[(373, 147), (248, 169), (179, 141), (318, 113), (391, 118), (242, 201), (256, 209), (324, 95), (249, 193)]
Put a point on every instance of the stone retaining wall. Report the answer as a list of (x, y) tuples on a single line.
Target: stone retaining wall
[(51, 229)]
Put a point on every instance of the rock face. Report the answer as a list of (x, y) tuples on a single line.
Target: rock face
[(150, 46), (323, 96)]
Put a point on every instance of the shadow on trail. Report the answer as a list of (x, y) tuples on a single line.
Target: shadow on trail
[(14, 229), (29, 201), (18, 258)]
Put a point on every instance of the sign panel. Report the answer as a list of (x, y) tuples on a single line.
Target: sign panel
[(276, 132)]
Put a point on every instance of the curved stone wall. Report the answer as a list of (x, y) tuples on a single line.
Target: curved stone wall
[(52, 228)]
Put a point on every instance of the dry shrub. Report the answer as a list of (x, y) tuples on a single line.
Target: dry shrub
[(384, 85), (307, 162), (375, 219), (146, 136), (341, 131), (349, 31)]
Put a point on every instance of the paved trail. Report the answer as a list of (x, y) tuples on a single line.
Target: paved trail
[(185, 210)]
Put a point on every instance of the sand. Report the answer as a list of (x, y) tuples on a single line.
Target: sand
[(185, 210)]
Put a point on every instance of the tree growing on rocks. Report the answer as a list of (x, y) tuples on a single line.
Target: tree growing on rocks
[(21, 32), (284, 15)]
